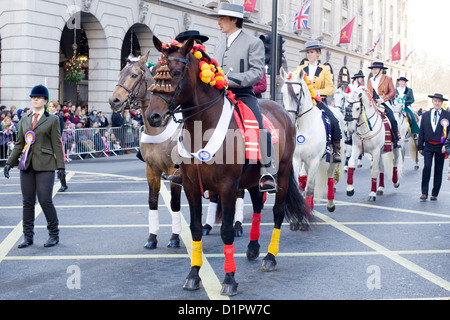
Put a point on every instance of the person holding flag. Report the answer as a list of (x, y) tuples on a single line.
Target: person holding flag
[(39, 143)]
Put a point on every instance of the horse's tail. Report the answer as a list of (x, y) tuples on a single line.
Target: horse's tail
[(388, 163), (413, 149), (296, 206)]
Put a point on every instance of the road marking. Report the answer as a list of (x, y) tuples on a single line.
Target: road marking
[(7, 244), (387, 253), (210, 281)]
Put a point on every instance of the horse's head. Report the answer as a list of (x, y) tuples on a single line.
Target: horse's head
[(171, 87), (296, 95), (339, 99), (399, 104), (353, 108), (132, 85)]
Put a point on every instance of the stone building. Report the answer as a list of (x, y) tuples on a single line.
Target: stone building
[(37, 38)]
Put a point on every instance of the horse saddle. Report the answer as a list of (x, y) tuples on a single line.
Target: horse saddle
[(249, 127)]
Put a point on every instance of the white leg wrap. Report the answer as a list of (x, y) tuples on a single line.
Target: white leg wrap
[(153, 221), (239, 215), (176, 222), (211, 217)]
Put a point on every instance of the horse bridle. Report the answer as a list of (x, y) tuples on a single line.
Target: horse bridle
[(296, 100), (173, 110), (133, 93)]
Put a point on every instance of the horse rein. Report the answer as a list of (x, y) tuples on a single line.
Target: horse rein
[(296, 100), (132, 95)]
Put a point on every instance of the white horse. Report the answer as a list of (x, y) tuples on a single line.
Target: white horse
[(406, 138), (366, 125), (310, 155)]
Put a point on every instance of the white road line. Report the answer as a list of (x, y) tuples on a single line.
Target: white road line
[(210, 281), (387, 253), (7, 244)]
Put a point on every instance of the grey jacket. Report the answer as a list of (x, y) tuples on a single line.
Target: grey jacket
[(245, 57)]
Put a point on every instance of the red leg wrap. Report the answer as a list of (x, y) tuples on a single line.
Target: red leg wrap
[(350, 173), (310, 201), (395, 175), (254, 231), (302, 182), (230, 265), (374, 185), (382, 179), (330, 189)]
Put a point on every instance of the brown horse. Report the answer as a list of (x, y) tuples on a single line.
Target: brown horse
[(202, 107), (134, 81)]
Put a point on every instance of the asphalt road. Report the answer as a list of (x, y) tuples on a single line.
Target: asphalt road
[(394, 248)]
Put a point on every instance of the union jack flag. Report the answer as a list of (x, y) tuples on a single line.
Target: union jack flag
[(301, 18), (376, 43)]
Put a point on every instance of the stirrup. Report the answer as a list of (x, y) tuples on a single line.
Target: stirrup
[(269, 189)]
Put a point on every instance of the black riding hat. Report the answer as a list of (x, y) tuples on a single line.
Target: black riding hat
[(358, 75), (438, 96), (402, 78), (183, 36), (378, 65), (39, 91)]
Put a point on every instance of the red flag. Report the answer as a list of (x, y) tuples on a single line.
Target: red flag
[(249, 5), (346, 32), (396, 52)]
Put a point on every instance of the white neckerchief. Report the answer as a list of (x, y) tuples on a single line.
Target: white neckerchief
[(434, 125), (216, 140), (233, 37), (401, 91), (376, 82), (312, 68)]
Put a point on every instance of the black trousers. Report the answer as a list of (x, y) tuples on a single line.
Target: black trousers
[(335, 128), (40, 184), (429, 152)]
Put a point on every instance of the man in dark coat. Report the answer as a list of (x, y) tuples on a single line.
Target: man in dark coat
[(434, 129)]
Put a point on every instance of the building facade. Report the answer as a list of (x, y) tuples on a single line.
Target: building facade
[(37, 38)]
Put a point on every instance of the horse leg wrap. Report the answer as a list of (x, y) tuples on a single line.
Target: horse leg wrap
[(374, 185), (395, 175), (330, 194), (381, 179), (153, 221), (196, 259), (254, 231), (350, 173), (274, 242), (230, 265), (302, 182), (310, 202), (239, 215), (211, 216), (176, 222)]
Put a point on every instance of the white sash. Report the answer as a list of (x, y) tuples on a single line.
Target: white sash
[(168, 133)]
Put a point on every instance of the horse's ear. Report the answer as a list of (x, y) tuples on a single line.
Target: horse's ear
[(187, 47), (283, 74), (157, 43), (143, 60), (360, 95)]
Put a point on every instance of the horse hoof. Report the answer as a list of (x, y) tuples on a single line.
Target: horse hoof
[(269, 263), (229, 285), (206, 229), (304, 224), (294, 226), (192, 284), (372, 198), (238, 231), (151, 245), (380, 192), (253, 250), (396, 185), (416, 168), (174, 244), (332, 208), (350, 193)]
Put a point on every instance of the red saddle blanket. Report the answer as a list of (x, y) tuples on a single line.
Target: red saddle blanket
[(249, 128)]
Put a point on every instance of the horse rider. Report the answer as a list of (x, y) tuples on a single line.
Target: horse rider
[(382, 89), (241, 56), (357, 81), (434, 129), (406, 94), (322, 81)]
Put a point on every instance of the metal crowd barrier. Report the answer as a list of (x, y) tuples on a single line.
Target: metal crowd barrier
[(88, 142)]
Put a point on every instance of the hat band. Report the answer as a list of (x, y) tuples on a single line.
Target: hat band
[(231, 13)]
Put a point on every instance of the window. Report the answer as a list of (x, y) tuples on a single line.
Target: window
[(326, 21)]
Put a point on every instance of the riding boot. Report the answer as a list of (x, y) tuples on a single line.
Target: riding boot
[(337, 151), (267, 182), (62, 179)]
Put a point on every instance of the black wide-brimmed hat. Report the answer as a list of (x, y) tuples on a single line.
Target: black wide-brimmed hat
[(39, 91), (378, 65), (402, 79), (230, 10), (310, 45), (438, 96), (183, 36), (358, 75)]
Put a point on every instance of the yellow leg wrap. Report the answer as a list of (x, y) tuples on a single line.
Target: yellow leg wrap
[(196, 259), (274, 242)]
